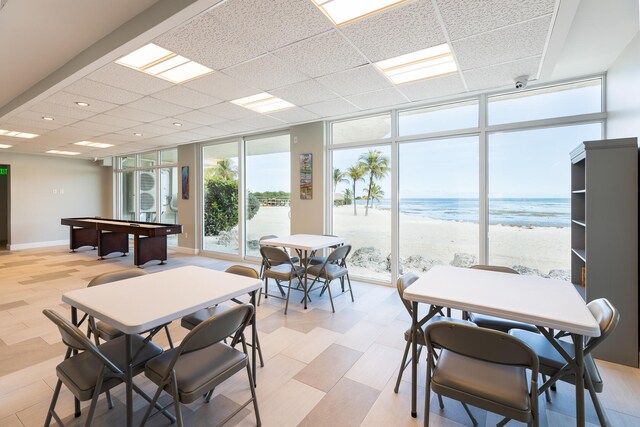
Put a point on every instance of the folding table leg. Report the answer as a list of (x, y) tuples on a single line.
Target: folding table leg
[(254, 336), (129, 379), (414, 358), (579, 352), (76, 402)]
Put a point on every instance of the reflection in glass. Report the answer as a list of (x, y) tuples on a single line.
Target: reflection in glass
[(169, 200), (148, 159), (439, 205), (461, 115), (128, 194)]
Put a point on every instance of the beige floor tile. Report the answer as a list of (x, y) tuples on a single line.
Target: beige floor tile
[(23, 397), (10, 421), (329, 367), (361, 335), (621, 386), (276, 341), (376, 366), (311, 345)]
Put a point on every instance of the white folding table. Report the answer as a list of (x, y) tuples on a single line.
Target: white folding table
[(546, 303), (147, 302), (305, 246)]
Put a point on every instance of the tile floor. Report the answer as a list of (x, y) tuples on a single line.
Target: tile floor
[(321, 369)]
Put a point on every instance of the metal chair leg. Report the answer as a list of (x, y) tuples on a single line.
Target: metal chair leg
[(330, 296), (404, 360), (350, 290), (52, 406), (166, 329), (94, 400), (286, 305), (473, 419), (253, 395), (176, 399)]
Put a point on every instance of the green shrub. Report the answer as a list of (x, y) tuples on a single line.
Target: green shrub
[(221, 206)]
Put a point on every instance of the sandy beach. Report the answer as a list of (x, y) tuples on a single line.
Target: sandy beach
[(425, 241)]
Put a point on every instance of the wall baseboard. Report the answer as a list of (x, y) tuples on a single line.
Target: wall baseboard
[(183, 250), (20, 246)]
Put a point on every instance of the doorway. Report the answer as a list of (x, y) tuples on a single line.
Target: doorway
[(4, 206)]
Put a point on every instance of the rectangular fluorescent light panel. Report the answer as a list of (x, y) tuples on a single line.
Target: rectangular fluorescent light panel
[(94, 144), (423, 64), (345, 11), (17, 134), (5, 146), (66, 153), (163, 63), (263, 103)]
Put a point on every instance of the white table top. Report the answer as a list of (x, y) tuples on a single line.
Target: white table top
[(141, 303), (304, 242), (544, 302)]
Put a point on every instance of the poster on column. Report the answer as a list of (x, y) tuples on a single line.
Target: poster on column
[(306, 181)]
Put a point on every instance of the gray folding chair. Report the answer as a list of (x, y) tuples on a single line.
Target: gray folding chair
[(334, 267), (203, 361), (403, 283), (483, 368), (315, 259), (192, 320), (279, 266), (553, 364), (97, 369), (497, 323), (103, 330), (294, 259)]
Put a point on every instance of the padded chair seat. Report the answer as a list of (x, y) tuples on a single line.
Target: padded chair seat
[(331, 271), (197, 370), (294, 259), (551, 361), (455, 375), (407, 333), (283, 272), (107, 332), (499, 324), (192, 320), (80, 373)]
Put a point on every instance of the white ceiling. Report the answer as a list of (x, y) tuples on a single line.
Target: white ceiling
[(286, 47)]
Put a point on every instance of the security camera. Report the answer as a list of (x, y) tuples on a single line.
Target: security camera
[(521, 82)]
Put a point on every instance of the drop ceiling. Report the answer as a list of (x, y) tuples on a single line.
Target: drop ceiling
[(287, 48)]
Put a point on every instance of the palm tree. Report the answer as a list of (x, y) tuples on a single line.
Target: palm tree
[(356, 173), (377, 194), (225, 169), (338, 178), (377, 165), (348, 196)]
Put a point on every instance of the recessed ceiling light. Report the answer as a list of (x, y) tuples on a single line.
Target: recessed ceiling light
[(177, 124), (66, 153), (93, 144), (5, 146), (82, 104), (137, 134), (419, 65), (49, 119), (163, 63), (263, 103), (345, 11), (17, 134)]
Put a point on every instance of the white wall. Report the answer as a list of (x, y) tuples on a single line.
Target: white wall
[(188, 209), (45, 189), (623, 93)]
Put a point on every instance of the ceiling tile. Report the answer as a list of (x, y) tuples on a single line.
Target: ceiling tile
[(200, 118), (501, 75), (71, 134), (37, 118), (274, 23), (133, 114), (221, 86), (148, 128), (209, 131), (229, 111), (356, 80), (433, 88), (129, 79), (39, 127), (334, 107), (321, 55), (98, 127), (186, 97), (234, 127), (503, 45), (303, 93), (102, 92), (464, 19), (157, 106), (117, 123), (69, 100), (396, 31), (121, 137), (266, 73), (295, 115), (55, 109), (260, 122), (377, 99), (168, 122), (212, 42)]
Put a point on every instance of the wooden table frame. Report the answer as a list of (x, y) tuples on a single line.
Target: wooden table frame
[(546, 303)]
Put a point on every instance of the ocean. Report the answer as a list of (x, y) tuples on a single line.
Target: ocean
[(536, 212)]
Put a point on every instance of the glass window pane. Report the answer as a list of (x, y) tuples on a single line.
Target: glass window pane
[(268, 180), (529, 198), (128, 194), (169, 157), (364, 216), (148, 159), (439, 204), (556, 101), (365, 129), (128, 162), (220, 172), (169, 200), (147, 205), (439, 118)]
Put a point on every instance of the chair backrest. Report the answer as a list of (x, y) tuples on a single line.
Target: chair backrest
[(481, 343), (270, 253), (403, 283), (339, 253), (607, 317), (242, 270), (497, 268), (114, 276), (217, 328), (73, 338)]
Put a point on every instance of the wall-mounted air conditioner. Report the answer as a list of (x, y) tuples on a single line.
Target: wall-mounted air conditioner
[(147, 192)]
